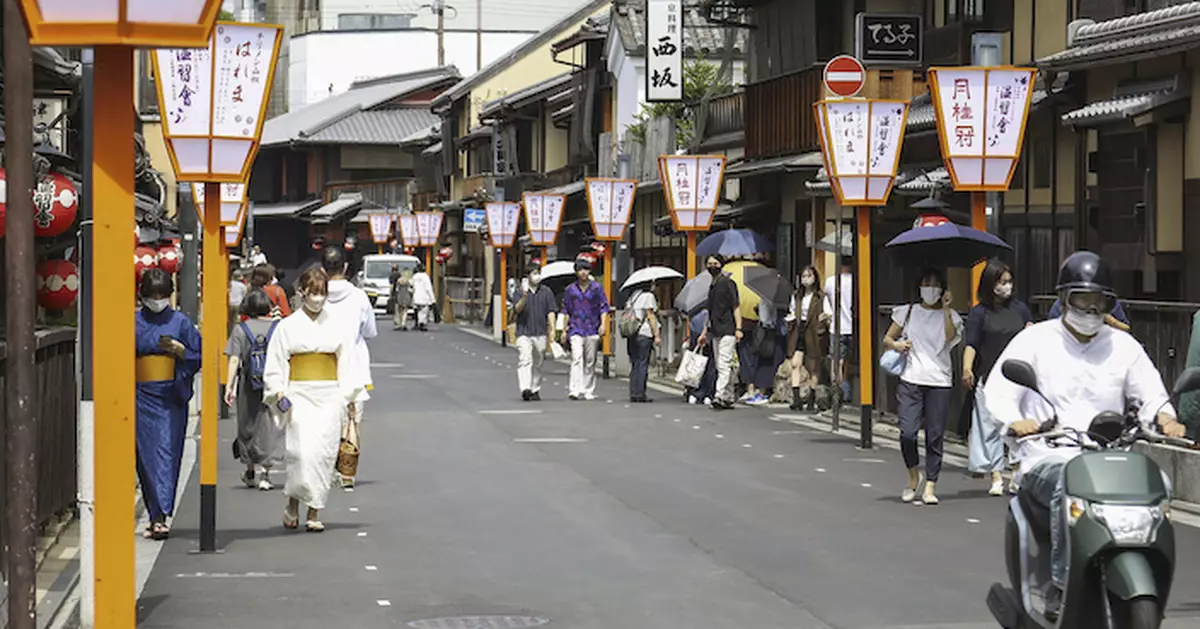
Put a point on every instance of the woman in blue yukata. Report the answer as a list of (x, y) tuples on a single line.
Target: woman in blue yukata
[(168, 357)]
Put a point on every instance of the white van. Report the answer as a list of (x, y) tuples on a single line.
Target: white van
[(377, 271)]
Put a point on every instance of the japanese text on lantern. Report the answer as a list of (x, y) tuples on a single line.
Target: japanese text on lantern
[(185, 76), (533, 212), (408, 231), (887, 128), (1008, 92), (664, 71), (962, 108), (242, 55), (600, 201), (502, 223), (847, 126)]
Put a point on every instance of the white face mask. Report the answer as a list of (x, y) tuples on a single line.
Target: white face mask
[(156, 305), (1082, 322), (931, 294), (1004, 291), (314, 303), (807, 280)]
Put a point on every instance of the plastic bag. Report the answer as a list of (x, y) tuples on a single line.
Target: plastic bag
[(691, 369)]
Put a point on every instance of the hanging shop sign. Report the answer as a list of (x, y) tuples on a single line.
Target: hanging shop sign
[(543, 217), (610, 205), (860, 143), (664, 50), (692, 185)]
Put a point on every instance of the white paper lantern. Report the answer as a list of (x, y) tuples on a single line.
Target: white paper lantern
[(610, 204), (409, 234), (381, 227), (692, 185), (503, 220), (860, 142), (429, 227), (233, 200), (543, 217), (143, 23)]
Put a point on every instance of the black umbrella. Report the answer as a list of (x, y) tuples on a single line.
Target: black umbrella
[(769, 285), (946, 245)]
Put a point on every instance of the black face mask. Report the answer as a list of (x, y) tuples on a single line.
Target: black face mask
[(714, 271)]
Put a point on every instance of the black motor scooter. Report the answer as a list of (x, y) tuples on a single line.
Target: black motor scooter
[(1120, 541)]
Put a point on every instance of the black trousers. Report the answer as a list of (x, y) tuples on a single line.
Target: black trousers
[(928, 408), (639, 358)]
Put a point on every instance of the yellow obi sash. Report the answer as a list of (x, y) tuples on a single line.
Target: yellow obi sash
[(155, 368), (314, 367)]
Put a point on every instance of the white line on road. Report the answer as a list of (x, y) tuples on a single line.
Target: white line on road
[(413, 376), (779, 456), (386, 365), (371, 568), (513, 411), (658, 416), (362, 533), (353, 509), (973, 520), (789, 432), (234, 575), (677, 420), (746, 445), (550, 440), (864, 461), (383, 602), (820, 470), (720, 436), (866, 484), (695, 428)]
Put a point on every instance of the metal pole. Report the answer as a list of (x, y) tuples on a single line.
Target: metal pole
[(213, 302), (478, 35), (21, 408), (87, 407), (189, 265), (439, 7), (837, 324), (113, 354), (866, 337)]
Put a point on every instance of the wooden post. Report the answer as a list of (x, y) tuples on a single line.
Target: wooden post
[(113, 354), (691, 256), (978, 221), (214, 314), (866, 336)]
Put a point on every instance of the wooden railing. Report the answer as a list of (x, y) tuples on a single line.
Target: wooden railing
[(725, 114), (779, 114), (57, 414)]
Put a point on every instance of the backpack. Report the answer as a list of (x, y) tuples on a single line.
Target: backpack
[(628, 324), (258, 356)]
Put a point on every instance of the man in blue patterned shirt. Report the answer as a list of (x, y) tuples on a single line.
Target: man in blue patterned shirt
[(586, 308)]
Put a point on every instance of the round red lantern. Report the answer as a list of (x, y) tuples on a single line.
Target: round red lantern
[(55, 204), (144, 258), (58, 284), (168, 258)]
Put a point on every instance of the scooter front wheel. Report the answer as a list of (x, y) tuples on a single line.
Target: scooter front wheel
[(1143, 613)]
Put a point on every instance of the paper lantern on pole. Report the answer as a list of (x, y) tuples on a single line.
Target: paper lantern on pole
[(610, 205), (381, 227), (139, 23), (860, 142), (503, 220), (233, 233), (233, 200), (169, 258), (692, 185), (981, 114), (429, 227), (144, 258), (57, 284), (213, 100), (543, 217), (409, 233)]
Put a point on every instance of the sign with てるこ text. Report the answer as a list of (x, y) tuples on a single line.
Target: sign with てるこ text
[(664, 50), (884, 39)]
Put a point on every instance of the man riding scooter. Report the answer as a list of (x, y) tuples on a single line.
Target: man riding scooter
[(1084, 368)]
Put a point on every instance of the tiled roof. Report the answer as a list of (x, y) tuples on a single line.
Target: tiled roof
[(1122, 107), (911, 182), (1152, 33), (700, 37), (423, 137), (363, 95), (381, 126), (542, 89)]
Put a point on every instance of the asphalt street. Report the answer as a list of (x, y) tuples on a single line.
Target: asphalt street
[(591, 515)]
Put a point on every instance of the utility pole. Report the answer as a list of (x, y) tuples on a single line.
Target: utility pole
[(478, 35), (439, 7), (87, 401), (21, 407)]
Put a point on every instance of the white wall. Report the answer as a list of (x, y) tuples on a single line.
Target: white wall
[(497, 15), (321, 60)]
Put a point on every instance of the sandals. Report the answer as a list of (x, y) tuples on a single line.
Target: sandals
[(314, 526), (291, 521), (157, 531)]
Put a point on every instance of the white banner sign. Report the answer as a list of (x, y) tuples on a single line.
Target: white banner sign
[(664, 50), (610, 203), (409, 233), (503, 220), (693, 189), (543, 216), (981, 115), (233, 197), (381, 227)]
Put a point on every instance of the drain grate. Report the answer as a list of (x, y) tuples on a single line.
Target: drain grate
[(479, 622)]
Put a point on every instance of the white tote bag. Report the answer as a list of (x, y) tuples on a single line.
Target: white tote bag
[(691, 369)]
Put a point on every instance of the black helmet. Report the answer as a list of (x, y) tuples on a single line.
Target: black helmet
[(1084, 271)]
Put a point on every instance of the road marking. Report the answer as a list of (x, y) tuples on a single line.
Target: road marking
[(677, 420), (353, 509), (383, 602), (371, 568), (779, 456), (362, 533), (413, 376), (789, 432), (608, 401), (820, 470), (658, 416), (234, 575), (386, 365), (864, 461), (513, 411), (695, 428), (720, 436), (973, 520), (550, 440), (866, 484), (746, 445)]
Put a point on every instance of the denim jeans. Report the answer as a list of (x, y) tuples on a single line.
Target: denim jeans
[(1046, 486), (639, 370), (923, 407)]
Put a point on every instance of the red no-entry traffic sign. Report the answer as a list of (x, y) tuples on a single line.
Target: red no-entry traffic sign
[(844, 75)]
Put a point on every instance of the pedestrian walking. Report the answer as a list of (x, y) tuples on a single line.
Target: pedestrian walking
[(641, 345), (311, 389), (353, 313), (263, 277), (925, 332), (401, 298), (423, 296), (585, 307), (808, 336), (259, 442), (535, 308), (168, 358), (991, 325), (237, 292), (842, 346), (724, 329)]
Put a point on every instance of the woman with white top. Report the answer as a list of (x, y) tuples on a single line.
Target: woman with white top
[(641, 345), (925, 332), (807, 338)]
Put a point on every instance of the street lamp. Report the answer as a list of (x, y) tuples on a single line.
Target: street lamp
[(410, 236), (503, 219), (233, 200), (233, 232), (692, 184), (860, 143), (610, 205), (543, 218), (381, 227), (429, 229), (135, 23)]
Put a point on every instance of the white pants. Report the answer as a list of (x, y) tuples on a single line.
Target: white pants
[(531, 351), (583, 365), (726, 351), (423, 314)]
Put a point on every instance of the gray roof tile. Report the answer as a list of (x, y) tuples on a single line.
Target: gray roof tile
[(1152, 33), (700, 37), (380, 126)]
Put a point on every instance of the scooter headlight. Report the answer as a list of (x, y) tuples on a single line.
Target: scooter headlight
[(1129, 524)]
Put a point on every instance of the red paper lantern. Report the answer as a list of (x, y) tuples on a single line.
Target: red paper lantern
[(930, 220), (57, 285), (144, 258), (55, 204), (169, 258)]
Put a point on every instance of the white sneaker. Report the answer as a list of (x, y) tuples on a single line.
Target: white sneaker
[(692, 400), (910, 493), (997, 488), (707, 401), (589, 396), (265, 485)]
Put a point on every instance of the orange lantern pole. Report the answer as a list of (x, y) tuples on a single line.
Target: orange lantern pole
[(610, 205), (503, 220)]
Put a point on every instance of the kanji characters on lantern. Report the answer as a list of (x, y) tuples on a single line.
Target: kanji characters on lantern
[(57, 284), (55, 204)]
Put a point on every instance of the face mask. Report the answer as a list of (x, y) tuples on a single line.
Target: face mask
[(714, 270), (931, 294), (314, 303), (156, 305), (1084, 323), (807, 281), (535, 279), (1004, 291)]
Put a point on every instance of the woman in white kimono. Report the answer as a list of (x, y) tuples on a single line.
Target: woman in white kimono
[(312, 392)]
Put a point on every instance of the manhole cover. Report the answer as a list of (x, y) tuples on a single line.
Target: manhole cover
[(479, 622)]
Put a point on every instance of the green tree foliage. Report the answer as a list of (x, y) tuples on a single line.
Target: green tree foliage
[(700, 79), (226, 16)]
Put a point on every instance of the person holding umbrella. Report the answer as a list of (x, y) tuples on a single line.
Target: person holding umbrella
[(724, 328), (640, 327), (924, 332)]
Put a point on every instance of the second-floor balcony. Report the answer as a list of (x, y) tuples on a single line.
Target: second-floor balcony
[(724, 119), (779, 114)]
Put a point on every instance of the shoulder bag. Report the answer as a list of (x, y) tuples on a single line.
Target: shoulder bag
[(893, 361)]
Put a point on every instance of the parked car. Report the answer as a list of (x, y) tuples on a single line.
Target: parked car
[(374, 278)]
